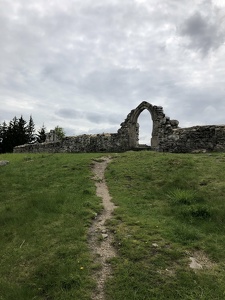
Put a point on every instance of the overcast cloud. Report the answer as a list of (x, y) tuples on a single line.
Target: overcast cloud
[(83, 65)]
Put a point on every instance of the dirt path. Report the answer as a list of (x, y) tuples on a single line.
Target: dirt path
[(100, 239)]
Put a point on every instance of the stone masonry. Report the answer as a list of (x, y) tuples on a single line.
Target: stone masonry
[(166, 136), (206, 138)]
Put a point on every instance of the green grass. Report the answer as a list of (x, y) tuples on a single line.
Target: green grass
[(47, 203), (170, 207)]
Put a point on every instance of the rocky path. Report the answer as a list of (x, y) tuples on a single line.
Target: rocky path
[(100, 239)]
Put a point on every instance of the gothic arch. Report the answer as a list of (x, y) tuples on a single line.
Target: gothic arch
[(156, 113), (130, 128)]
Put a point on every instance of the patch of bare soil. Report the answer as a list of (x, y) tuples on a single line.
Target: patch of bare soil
[(100, 239), (200, 261)]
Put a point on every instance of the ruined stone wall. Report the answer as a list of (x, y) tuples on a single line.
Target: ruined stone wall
[(180, 140), (51, 136), (162, 125), (82, 143), (194, 139), (166, 137)]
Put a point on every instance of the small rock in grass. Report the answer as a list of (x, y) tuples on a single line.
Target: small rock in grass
[(4, 162), (194, 264)]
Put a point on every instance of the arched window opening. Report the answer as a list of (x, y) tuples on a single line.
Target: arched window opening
[(145, 128)]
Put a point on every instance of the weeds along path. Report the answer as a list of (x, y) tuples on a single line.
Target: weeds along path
[(100, 239)]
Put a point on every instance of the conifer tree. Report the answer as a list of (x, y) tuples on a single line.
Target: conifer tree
[(30, 131), (3, 133), (10, 137), (22, 133), (41, 137), (16, 133)]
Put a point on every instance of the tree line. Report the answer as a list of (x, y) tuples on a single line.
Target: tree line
[(19, 132)]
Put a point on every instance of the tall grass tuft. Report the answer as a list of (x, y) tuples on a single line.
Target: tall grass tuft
[(181, 196)]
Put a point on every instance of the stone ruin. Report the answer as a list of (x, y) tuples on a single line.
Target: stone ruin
[(166, 136), (162, 125), (51, 136)]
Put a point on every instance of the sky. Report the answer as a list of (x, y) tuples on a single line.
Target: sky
[(84, 65)]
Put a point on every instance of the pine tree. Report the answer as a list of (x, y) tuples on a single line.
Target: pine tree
[(16, 133), (3, 130), (3, 133), (30, 131), (13, 132), (41, 134), (22, 133), (10, 138)]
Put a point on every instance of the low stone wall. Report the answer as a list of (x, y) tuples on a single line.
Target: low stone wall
[(166, 137), (180, 140), (51, 147), (82, 143), (194, 139)]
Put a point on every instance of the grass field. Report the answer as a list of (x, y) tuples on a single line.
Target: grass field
[(47, 203), (170, 207)]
